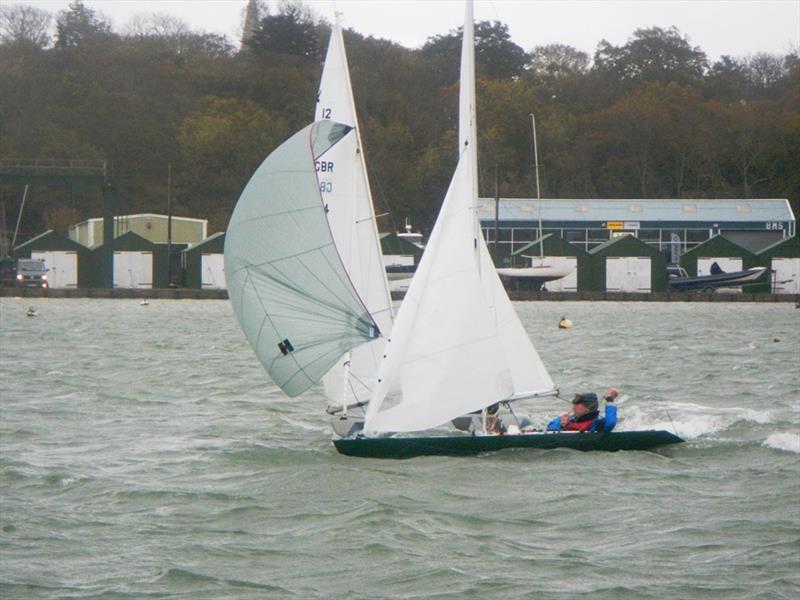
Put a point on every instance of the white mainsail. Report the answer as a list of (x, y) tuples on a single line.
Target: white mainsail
[(346, 193), (291, 293), (457, 345)]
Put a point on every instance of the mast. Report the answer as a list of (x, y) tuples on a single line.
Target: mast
[(538, 194), (19, 218), (496, 213), (468, 119)]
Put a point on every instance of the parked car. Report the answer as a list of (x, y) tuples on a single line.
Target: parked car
[(31, 272)]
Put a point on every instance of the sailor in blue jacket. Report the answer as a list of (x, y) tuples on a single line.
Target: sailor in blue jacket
[(585, 415)]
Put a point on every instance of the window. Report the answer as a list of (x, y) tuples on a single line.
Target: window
[(525, 235), (575, 235)]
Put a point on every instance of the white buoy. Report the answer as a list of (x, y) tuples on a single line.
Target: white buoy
[(565, 323), (144, 302)]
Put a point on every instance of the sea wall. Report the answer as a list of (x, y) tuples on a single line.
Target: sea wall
[(522, 296)]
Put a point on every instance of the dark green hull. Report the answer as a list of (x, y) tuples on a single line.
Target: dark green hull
[(409, 447)]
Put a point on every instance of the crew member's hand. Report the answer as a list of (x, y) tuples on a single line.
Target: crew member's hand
[(612, 393), (564, 420)]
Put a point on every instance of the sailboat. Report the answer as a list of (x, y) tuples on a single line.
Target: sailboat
[(457, 345), (535, 276), (345, 189)]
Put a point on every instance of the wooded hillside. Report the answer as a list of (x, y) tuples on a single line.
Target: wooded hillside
[(651, 118)]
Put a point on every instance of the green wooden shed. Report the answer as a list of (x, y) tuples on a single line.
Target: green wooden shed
[(626, 264), (399, 251), (552, 250), (138, 263), (727, 254), (203, 263), (783, 259), (69, 263)]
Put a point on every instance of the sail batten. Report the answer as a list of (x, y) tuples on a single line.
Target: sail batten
[(289, 289)]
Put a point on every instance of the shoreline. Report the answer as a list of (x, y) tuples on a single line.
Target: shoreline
[(518, 296)]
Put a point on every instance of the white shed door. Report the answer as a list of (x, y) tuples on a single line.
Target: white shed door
[(133, 269), (213, 267), (62, 268), (628, 274), (565, 284), (729, 265), (786, 276)]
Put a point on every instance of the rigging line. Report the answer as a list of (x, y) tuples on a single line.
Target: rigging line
[(671, 422), (315, 300), (511, 410), (359, 380)]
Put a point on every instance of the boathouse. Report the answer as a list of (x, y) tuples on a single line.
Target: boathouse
[(783, 259), (626, 264), (719, 249), (204, 263), (552, 250), (728, 255), (138, 263), (398, 251), (69, 264)]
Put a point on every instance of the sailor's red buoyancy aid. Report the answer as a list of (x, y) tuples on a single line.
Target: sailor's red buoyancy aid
[(583, 424)]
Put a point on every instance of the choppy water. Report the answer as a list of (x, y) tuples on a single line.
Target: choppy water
[(144, 454)]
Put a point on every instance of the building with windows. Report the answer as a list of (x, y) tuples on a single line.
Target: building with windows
[(673, 227)]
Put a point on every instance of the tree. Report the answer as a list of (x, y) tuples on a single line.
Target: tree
[(80, 24), (628, 138), (653, 54), (496, 56), (557, 62), (292, 31), (727, 80), (24, 25), (159, 25), (221, 144)]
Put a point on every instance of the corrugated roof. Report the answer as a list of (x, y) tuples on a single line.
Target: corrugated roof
[(725, 211)]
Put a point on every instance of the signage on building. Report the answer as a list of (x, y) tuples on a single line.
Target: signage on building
[(620, 225), (674, 248)]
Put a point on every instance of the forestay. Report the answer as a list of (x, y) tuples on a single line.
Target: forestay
[(286, 281), (346, 192), (457, 345)]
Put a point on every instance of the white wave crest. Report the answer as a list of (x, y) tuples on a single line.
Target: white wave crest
[(687, 420), (790, 442)]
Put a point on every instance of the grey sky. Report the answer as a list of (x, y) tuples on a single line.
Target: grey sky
[(733, 27)]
